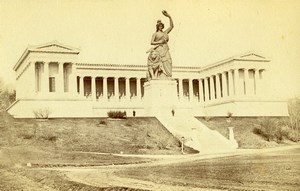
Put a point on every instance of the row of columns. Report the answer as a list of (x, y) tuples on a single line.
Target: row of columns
[(222, 85), (42, 75), (105, 86)]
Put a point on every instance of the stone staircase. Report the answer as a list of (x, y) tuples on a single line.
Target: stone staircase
[(196, 134)]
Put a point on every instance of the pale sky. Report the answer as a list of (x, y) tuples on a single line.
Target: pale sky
[(119, 32)]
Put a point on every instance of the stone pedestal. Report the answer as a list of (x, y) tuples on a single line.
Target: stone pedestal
[(231, 137), (160, 97)]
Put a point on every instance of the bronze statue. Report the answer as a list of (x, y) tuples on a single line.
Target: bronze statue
[(159, 59)]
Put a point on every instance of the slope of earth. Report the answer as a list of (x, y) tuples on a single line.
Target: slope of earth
[(243, 130), (81, 141)]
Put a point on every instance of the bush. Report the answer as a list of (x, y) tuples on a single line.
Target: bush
[(293, 136), (229, 114), (6, 98), (51, 138), (274, 130), (208, 118), (42, 113), (102, 122), (294, 112), (117, 114), (27, 136), (128, 124)]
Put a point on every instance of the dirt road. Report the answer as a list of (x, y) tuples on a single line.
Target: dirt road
[(106, 176)]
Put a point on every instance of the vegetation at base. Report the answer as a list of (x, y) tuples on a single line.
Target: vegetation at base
[(276, 130), (117, 114), (294, 112), (102, 122), (259, 132), (280, 129), (7, 96), (41, 113), (63, 141)]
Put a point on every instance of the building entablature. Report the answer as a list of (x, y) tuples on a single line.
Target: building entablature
[(248, 61), (50, 50)]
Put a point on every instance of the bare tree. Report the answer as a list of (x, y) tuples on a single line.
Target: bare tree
[(294, 112)]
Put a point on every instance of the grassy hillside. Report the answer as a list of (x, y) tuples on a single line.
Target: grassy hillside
[(243, 130), (66, 141)]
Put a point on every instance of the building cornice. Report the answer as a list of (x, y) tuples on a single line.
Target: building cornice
[(42, 49)]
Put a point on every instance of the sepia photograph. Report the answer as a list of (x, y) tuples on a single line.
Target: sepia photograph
[(149, 95)]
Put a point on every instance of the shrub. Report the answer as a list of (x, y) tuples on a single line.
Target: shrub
[(294, 119), (128, 124), (117, 114), (208, 118), (102, 122), (293, 136), (7, 97), (51, 138), (229, 114), (163, 144), (42, 113), (274, 130), (27, 136)]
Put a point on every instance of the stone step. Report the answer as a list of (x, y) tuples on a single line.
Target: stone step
[(196, 134)]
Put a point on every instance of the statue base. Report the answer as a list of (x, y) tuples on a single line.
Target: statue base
[(160, 97)]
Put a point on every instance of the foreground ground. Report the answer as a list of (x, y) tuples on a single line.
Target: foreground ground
[(68, 142), (267, 169), (82, 154), (275, 170)]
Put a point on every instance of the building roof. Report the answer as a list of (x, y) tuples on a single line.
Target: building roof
[(56, 47), (249, 56), (51, 47)]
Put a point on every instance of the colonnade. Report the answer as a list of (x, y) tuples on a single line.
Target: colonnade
[(60, 77), (227, 84), (110, 88), (54, 77)]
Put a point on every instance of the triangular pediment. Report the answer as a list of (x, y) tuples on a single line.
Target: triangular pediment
[(54, 47), (251, 56)]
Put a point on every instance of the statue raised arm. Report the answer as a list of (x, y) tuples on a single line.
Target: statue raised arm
[(159, 59)]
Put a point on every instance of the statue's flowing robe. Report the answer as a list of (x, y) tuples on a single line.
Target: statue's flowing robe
[(165, 56), (166, 59)]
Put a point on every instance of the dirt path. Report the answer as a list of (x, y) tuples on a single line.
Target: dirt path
[(12, 181), (105, 176)]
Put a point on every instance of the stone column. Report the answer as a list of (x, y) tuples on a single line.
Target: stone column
[(218, 86), (37, 80), (206, 89), (116, 88), (256, 81), (246, 84), (60, 81), (105, 88), (180, 89), (127, 88), (191, 94), (45, 86), (262, 84), (224, 85), (201, 94), (138, 89), (81, 86), (230, 83), (212, 88), (237, 88), (93, 87), (72, 81)]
